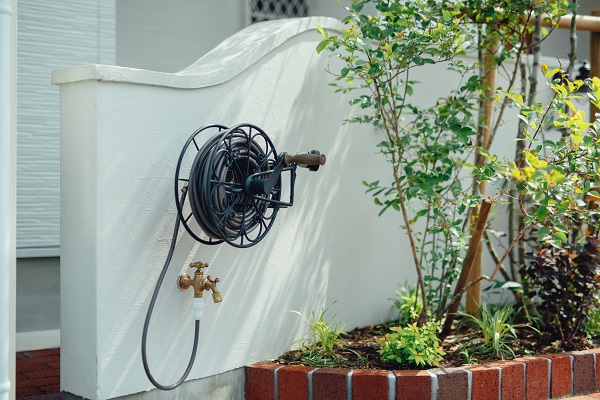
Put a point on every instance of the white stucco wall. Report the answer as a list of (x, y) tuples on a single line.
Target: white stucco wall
[(122, 131)]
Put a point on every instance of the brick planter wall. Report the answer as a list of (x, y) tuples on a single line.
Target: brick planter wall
[(547, 376)]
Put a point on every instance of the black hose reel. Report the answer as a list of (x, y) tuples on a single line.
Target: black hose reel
[(234, 186), (233, 192)]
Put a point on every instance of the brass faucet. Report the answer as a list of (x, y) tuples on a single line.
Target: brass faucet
[(199, 283)]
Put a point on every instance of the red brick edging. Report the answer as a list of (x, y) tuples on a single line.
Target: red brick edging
[(545, 376)]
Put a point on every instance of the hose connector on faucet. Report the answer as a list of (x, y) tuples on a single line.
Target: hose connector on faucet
[(198, 307)]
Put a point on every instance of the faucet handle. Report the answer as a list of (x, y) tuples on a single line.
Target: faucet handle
[(198, 265)]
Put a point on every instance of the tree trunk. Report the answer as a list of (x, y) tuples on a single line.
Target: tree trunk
[(489, 79), (465, 273)]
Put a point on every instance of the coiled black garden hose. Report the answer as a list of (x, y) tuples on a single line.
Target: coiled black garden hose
[(217, 194)]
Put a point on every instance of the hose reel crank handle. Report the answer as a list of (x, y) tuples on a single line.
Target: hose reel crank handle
[(311, 160), (257, 185)]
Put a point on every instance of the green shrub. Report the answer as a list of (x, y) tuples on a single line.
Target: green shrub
[(497, 332), (413, 345)]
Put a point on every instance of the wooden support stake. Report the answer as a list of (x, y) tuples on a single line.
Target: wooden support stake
[(464, 279), (584, 22)]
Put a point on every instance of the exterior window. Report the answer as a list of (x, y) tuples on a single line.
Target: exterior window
[(266, 10)]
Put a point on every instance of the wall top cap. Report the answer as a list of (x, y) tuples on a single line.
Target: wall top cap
[(230, 58)]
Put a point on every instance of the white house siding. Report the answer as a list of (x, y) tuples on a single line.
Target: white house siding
[(51, 35)]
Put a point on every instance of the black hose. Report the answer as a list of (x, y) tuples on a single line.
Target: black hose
[(217, 178), (149, 315)]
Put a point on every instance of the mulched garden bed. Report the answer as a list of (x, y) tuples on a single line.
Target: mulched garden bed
[(361, 350)]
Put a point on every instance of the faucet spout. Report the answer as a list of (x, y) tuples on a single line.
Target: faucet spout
[(212, 286)]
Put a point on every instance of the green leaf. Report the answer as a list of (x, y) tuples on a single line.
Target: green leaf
[(551, 73), (322, 45), (543, 232), (541, 213), (517, 98), (322, 31), (523, 118), (560, 228), (422, 212), (594, 193), (559, 236), (511, 285)]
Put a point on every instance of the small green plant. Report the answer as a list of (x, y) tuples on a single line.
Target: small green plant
[(469, 358), (497, 332), (319, 344), (413, 345), (409, 305)]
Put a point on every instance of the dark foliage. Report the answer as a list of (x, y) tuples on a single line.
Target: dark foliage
[(563, 281)]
